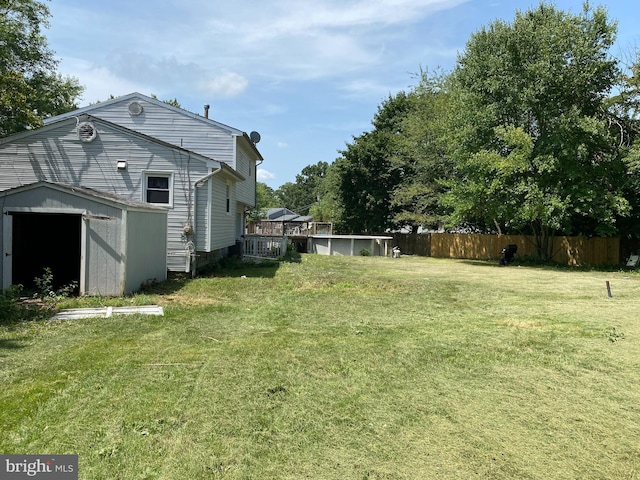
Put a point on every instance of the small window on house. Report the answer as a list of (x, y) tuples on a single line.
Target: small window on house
[(158, 188), (228, 198)]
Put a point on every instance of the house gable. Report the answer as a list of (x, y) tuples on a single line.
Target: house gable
[(172, 124)]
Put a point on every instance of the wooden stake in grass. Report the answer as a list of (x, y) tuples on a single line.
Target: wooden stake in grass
[(211, 338), (608, 289)]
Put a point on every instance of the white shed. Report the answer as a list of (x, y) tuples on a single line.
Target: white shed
[(108, 244)]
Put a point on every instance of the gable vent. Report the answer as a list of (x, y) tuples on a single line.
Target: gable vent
[(135, 109), (87, 132)]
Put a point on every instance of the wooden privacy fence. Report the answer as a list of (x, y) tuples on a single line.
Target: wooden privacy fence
[(566, 250)]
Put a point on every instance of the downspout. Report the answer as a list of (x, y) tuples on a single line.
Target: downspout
[(255, 184), (199, 183)]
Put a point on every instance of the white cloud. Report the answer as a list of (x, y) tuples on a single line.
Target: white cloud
[(282, 144), (292, 17), (228, 84), (172, 74), (99, 82), (264, 175), (290, 40), (209, 48), (365, 88)]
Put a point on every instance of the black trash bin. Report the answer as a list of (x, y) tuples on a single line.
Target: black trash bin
[(507, 254)]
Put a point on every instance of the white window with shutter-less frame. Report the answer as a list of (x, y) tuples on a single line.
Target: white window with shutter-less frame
[(158, 188)]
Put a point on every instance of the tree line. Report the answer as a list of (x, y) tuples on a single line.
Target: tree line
[(533, 132)]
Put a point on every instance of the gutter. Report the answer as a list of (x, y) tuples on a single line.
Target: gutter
[(201, 181)]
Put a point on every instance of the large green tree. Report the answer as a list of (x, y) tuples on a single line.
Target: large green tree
[(533, 143), (30, 87), (421, 155), (368, 170), (328, 208), (624, 115), (265, 199), (306, 191)]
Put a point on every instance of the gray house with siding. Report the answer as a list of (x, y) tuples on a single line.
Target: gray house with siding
[(200, 172)]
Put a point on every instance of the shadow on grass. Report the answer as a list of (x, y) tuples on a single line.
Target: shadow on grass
[(233, 267), (226, 268), (480, 263), (10, 344), (537, 264), (15, 311)]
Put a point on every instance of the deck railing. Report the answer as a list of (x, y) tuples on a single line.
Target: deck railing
[(264, 246), (291, 229)]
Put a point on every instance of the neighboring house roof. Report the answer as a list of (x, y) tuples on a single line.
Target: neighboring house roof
[(286, 215), (135, 95), (78, 118), (275, 213), (294, 218), (85, 192)]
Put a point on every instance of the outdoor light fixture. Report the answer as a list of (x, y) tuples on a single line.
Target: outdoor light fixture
[(122, 164)]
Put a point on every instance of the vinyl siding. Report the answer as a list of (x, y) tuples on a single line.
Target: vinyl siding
[(222, 223), (181, 130), (56, 154), (202, 226), (198, 135), (247, 168)]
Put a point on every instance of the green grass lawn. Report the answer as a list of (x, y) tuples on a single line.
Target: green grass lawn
[(340, 368)]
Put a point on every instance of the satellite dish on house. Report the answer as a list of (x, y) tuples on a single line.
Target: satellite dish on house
[(254, 136), (135, 109), (87, 132)]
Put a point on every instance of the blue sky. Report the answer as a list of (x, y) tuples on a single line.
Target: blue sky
[(307, 75)]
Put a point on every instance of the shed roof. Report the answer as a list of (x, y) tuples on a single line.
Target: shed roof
[(294, 218), (88, 193)]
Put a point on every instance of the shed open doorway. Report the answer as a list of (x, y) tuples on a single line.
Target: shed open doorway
[(42, 240)]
